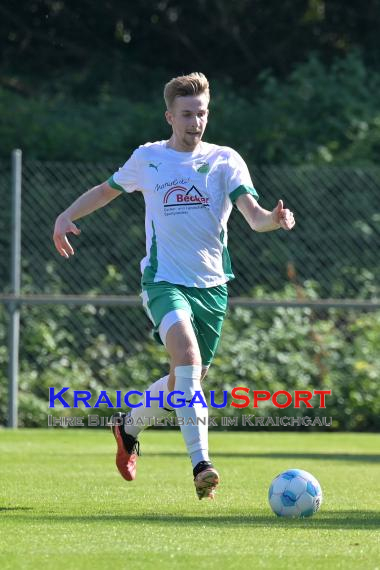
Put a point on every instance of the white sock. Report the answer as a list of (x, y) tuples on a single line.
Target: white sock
[(188, 380), (140, 416)]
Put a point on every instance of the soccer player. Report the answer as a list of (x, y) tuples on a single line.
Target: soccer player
[(189, 187)]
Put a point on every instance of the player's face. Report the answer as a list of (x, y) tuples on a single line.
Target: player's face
[(188, 119)]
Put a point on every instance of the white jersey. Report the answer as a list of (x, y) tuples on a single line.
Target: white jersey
[(188, 199)]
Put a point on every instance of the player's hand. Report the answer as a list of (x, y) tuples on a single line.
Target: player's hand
[(63, 226), (283, 217)]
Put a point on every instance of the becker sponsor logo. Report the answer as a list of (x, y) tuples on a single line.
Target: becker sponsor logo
[(180, 197)]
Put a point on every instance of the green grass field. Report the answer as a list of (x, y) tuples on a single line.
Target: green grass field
[(64, 505)]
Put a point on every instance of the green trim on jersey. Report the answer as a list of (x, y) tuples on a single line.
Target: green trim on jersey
[(114, 185), (234, 195), (151, 269), (226, 260)]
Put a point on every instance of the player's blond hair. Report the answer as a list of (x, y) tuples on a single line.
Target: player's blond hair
[(184, 85)]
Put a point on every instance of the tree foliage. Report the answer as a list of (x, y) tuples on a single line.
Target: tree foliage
[(114, 43), (319, 114)]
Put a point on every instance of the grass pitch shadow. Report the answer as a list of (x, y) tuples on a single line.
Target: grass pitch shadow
[(365, 458), (364, 520), (7, 509)]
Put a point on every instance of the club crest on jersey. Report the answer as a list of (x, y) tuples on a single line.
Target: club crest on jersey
[(179, 199), (203, 167)]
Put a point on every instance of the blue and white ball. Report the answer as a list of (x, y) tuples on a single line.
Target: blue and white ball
[(295, 493)]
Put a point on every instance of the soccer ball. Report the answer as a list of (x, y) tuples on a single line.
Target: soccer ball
[(295, 493)]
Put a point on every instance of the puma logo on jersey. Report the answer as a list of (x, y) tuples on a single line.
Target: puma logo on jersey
[(152, 165)]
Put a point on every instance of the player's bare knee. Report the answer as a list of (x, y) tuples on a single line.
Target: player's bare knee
[(190, 357), (186, 357)]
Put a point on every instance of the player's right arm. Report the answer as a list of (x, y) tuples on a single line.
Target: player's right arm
[(90, 201)]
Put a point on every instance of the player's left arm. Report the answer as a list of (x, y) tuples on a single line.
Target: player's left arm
[(262, 220)]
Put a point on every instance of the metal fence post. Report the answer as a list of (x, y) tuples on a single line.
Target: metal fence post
[(14, 310)]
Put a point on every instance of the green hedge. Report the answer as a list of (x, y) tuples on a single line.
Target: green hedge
[(263, 349)]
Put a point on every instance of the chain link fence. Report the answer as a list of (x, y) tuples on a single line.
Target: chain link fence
[(331, 256), (334, 246)]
